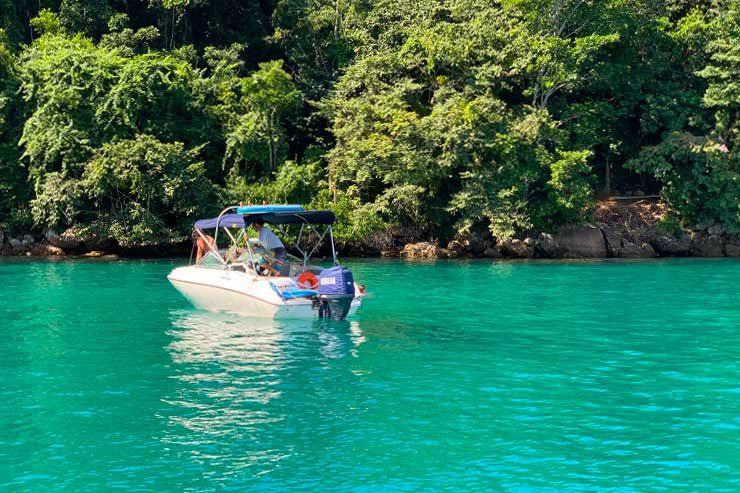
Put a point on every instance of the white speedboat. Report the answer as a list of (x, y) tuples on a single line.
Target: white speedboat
[(243, 277)]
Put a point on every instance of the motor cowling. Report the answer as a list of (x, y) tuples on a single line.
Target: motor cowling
[(336, 292)]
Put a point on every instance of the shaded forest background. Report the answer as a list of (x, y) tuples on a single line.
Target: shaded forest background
[(438, 118)]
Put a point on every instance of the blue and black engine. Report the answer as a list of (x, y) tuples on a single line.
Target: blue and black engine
[(336, 292)]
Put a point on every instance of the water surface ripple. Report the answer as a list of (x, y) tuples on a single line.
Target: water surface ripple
[(455, 376)]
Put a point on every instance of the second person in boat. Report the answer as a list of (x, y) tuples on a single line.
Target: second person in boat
[(279, 263)]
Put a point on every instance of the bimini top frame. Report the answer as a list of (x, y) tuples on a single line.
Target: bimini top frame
[(278, 215)]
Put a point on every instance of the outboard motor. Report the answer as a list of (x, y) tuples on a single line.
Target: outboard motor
[(336, 292)]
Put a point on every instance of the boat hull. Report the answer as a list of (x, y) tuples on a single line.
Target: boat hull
[(237, 292)]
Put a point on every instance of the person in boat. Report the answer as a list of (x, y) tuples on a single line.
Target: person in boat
[(203, 244), (274, 246)]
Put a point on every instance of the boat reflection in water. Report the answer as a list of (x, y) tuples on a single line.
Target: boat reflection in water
[(236, 381)]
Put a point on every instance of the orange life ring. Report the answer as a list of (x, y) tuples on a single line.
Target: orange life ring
[(308, 280)]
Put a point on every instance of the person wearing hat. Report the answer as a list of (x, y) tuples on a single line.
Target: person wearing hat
[(272, 244)]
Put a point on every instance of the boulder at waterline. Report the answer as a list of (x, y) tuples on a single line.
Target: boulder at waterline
[(492, 252), (546, 246), (15, 243), (455, 249), (52, 237), (705, 245), (633, 250), (516, 248), (669, 246), (732, 246), (423, 250), (585, 241)]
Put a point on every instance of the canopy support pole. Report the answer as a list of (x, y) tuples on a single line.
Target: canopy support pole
[(333, 250)]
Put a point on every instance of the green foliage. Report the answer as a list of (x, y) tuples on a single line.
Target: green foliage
[(14, 190), (355, 221), (257, 139), (46, 22), (723, 74), (127, 40), (106, 143), (141, 191), (700, 174), (437, 117), (700, 178), (425, 126), (318, 39), (291, 183), (89, 17), (145, 187), (670, 224)]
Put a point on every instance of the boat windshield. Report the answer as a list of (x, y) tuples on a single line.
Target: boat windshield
[(256, 249), (212, 261)]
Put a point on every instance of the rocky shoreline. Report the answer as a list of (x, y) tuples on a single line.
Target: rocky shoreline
[(51, 244), (617, 231), (586, 241), (632, 230)]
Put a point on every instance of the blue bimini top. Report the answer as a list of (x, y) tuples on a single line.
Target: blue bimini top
[(227, 221)]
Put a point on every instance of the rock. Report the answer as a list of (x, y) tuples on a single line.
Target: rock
[(2, 237), (613, 242), (28, 240), (581, 241), (632, 250), (44, 250), (68, 241), (648, 234), (702, 226), (491, 252), (54, 250), (647, 251), (477, 243), (15, 243), (546, 246), (516, 248), (423, 250), (94, 253), (52, 237), (704, 245), (716, 229), (621, 247), (732, 248), (455, 249), (732, 245), (668, 246), (94, 243)]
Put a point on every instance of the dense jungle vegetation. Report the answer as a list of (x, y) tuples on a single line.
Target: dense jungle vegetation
[(130, 118)]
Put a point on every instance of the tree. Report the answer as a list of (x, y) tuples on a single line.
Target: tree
[(723, 74), (145, 191), (14, 191), (257, 135), (700, 174)]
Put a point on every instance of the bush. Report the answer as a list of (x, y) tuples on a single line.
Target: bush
[(700, 178)]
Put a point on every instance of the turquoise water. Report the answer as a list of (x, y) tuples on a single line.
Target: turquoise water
[(455, 376)]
